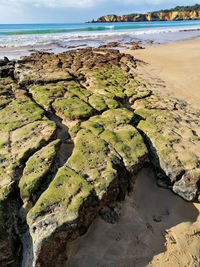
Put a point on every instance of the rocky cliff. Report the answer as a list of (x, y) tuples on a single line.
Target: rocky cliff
[(178, 13)]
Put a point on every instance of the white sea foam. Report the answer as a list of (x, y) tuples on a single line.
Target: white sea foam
[(63, 38)]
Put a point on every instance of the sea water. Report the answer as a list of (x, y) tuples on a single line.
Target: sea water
[(21, 39)]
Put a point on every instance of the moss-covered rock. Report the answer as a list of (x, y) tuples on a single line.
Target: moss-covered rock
[(75, 85), (67, 191), (95, 127), (79, 91), (113, 127), (172, 141), (18, 113), (44, 95), (37, 169), (157, 128), (114, 117), (93, 157), (30, 138), (17, 148), (73, 108), (112, 80), (97, 102), (129, 145), (23, 130), (110, 102), (102, 102), (74, 130), (46, 67), (58, 214), (109, 119)]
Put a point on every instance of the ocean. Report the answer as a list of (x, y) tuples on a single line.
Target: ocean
[(21, 39)]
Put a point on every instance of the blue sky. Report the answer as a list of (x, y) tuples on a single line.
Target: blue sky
[(61, 11)]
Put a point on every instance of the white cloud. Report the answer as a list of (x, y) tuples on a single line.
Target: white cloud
[(54, 3), (83, 3)]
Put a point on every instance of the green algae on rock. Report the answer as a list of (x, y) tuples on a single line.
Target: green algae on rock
[(21, 123), (44, 95), (93, 158), (113, 117), (29, 139), (79, 91), (66, 192), (61, 210), (162, 128), (168, 128), (37, 169), (42, 71), (18, 113), (102, 102), (129, 144), (113, 127), (78, 191), (23, 130), (73, 108)]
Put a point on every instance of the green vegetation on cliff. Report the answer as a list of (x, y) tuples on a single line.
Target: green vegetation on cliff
[(195, 7)]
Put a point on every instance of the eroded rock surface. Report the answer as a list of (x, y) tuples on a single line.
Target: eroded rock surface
[(24, 129), (115, 120)]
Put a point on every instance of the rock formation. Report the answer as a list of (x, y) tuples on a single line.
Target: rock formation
[(174, 14), (117, 123)]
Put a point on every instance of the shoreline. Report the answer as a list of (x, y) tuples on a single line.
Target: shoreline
[(16, 45)]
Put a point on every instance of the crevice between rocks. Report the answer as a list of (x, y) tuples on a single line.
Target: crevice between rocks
[(21, 226), (162, 179)]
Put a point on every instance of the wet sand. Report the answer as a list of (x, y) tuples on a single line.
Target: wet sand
[(156, 228), (178, 65)]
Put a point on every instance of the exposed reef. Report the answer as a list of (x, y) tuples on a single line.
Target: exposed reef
[(91, 98)]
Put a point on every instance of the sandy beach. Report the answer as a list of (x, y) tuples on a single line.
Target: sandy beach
[(177, 65), (156, 228)]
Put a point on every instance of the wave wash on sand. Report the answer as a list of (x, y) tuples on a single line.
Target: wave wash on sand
[(21, 40)]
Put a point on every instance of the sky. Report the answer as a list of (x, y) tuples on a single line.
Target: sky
[(70, 11)]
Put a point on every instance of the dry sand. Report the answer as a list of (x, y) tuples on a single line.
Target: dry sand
[(178, 65), (156, 227)]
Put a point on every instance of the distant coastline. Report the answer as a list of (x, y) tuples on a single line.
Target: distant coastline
[(175, 14)]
